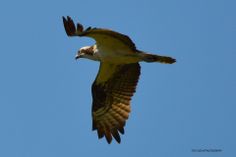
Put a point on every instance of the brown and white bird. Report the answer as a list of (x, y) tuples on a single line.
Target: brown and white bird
[(117, 78)]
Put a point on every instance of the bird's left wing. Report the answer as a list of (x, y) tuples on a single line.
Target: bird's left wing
[(112, 91), (104, 37)]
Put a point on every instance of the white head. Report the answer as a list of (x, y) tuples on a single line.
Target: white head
[(86, 52)]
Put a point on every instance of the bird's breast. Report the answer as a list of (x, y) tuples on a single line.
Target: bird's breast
[(117, 56)]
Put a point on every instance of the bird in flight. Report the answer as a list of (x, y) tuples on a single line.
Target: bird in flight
[(117, 77)]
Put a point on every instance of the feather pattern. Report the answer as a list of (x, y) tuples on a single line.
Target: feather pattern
[(111, 100)]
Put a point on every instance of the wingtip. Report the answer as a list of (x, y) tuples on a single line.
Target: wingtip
[(116, 135), (121, 130), (64, 19), (69, 26), (173, 61), (108, 138), (169, 60)]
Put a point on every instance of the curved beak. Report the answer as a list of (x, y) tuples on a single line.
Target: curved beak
[(77, 56)]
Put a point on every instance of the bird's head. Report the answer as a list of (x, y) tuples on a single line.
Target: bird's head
[(86, 52)]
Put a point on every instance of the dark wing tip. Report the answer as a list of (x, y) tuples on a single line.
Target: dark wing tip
[(109, 134), (174, 60), (170, 60), (121, 130), (100, 133), (69, 26), (116, 135), (108, 137), (80, 27)]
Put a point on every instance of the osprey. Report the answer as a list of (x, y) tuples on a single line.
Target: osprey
[(117, 78)]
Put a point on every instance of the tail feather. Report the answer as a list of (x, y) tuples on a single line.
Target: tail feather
[(156, 58)]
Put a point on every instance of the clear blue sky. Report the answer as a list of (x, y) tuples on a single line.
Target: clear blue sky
[(45, 99)]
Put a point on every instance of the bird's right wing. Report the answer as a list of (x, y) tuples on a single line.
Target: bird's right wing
[(112, 91), (103, 37)]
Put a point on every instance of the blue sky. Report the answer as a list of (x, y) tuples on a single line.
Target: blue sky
[(45, 99)]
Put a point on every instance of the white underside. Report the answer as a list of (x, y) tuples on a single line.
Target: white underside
[(115, 56), (111, 57)]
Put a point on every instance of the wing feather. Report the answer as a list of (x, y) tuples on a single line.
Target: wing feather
[(103, 37), (111, 99), (110, 38)]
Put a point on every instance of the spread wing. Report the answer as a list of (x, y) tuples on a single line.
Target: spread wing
[(112, 91), (104, 37)]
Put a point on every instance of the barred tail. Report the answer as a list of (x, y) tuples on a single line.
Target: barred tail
[(155, 58)]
